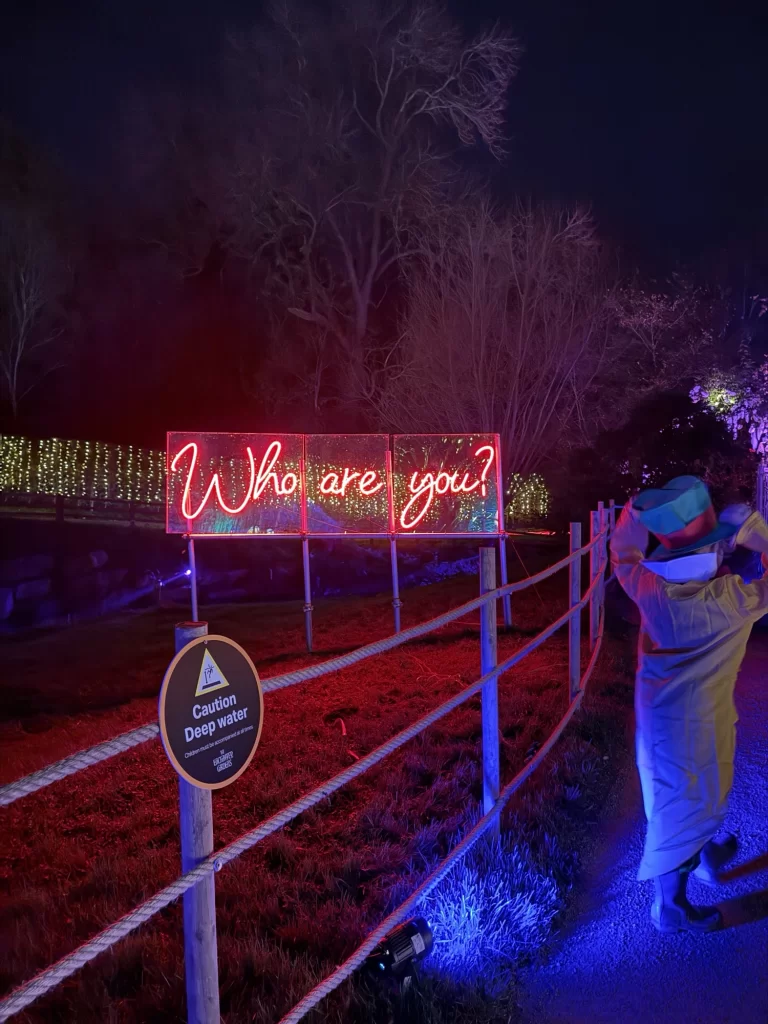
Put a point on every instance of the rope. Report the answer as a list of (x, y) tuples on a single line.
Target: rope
[(101, 752), (76, 762), (303, 675), (351, 964), (68, 965), (52, 976)]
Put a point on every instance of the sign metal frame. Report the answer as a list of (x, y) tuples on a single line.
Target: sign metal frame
[(305, 531), (450, 481)]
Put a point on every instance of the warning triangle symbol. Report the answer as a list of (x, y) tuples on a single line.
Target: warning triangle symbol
[(211, 677)]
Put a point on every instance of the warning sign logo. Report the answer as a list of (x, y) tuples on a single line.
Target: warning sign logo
[(211, 677)]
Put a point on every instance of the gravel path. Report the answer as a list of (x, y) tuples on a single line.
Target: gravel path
[(609, 965)]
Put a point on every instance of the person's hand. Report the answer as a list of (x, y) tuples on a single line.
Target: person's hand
[(736, 515)]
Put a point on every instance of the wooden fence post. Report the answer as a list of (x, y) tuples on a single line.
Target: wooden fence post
[(201, 965), (612, 517), (604, 518), (594, 561), (574, 625), (490, 696), (602, 547)]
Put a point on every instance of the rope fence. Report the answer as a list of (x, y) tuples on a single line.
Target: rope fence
[(358, 958), (52, 976), (101, 752), (76, 763)]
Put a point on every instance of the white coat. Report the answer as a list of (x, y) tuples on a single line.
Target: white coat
[(693, 637)]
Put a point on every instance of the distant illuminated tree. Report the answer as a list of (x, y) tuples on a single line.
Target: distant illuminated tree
[(739, 398)]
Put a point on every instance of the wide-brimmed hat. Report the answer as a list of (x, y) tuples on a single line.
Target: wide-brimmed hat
[(682, 516)]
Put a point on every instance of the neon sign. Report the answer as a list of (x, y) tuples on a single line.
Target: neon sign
[(258, 480), (333, 484), (346, 482), (424, 489), (368, 482)]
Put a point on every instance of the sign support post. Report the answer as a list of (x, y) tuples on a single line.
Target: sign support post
[(196, 820), (507, 599), (192, 578), (396, 602), (307, 592), (490, 696), (305, 556)]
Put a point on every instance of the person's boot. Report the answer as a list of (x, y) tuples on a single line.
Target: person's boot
[(713, 858), (671, 912)]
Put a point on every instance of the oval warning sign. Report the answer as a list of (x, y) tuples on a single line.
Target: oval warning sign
[(211, 711)]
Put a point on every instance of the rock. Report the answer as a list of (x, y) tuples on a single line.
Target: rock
[(79, 565), (76, 565), (28, 568), (114, 577), (6, 603), (235, 575), (49, 612), (95, 584), (33, 590)]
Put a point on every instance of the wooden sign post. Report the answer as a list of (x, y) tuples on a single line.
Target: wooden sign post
[(211, 711)]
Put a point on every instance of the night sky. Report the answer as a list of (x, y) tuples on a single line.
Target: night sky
[(654, 114)]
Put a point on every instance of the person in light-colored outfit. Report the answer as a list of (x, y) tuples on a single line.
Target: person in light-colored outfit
[(696, 619)]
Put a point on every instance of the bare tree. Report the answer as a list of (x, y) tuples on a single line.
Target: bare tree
[(29, 270), (506, 329), (667, 327), (346, 124)]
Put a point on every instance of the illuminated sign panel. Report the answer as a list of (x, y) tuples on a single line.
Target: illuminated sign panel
[(329, 485), (446, 484), (347, 483), (235, 484)]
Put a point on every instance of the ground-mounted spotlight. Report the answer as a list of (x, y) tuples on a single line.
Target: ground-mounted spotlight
[(401, 949)]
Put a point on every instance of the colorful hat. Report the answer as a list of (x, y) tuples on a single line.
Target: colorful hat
[(681, 515)]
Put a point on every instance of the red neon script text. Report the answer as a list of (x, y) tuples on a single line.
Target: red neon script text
[(258, 481), (424, 490), (368, 483)]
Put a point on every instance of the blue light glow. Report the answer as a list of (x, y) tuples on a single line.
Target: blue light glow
[(490, 910)]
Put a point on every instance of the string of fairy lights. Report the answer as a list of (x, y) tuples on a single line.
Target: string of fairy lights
[(527, 499), (91, 470), (94, 470)]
